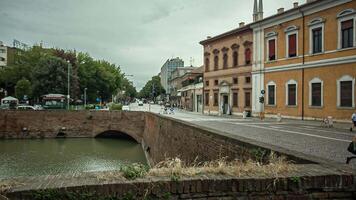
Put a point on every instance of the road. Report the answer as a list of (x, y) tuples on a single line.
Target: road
[(302, 136)]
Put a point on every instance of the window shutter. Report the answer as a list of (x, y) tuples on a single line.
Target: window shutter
[(292, 45), (347, 24), (248, 56), (272, 49)]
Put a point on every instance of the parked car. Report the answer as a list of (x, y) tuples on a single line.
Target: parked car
[(140, 103), (25, 107), (127, 108)]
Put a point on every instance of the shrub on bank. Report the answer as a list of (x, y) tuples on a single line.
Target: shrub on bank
[(116, 106)]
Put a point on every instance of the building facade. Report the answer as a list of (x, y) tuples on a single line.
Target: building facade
[(305, 61), (191, 93), (166, 72), (175, 83), (227, 72), (7, 55)]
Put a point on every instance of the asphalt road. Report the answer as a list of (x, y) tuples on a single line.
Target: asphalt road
[(302, 136)]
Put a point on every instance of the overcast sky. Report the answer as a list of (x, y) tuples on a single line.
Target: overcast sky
[(138, 35)]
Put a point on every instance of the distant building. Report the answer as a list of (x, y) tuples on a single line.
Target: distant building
[(191, 93), (7, 55), (175, 83), (167, 69)]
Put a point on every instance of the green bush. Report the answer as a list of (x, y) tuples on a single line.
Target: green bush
[(116, 107), (133, 171)]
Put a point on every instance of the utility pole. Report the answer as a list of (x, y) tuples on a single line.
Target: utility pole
[(68, 89)]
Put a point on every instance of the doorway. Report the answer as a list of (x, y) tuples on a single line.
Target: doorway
[(225, 106)]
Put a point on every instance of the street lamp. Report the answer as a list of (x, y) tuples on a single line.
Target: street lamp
[(85, 97), (68, 89)]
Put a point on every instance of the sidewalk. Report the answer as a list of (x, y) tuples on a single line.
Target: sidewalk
[(315, 123)]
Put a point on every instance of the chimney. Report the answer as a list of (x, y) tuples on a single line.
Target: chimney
[(241, 24), (280, 10), (1, 44), (295, 5)]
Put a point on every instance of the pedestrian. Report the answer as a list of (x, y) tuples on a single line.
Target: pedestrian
[(172, 110), (351, 149), (353, 118)]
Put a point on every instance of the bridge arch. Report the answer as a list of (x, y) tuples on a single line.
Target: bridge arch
[(117, 134)]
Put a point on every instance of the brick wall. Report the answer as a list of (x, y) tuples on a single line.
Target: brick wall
[(47, 124), (212, 187), (168, 138)]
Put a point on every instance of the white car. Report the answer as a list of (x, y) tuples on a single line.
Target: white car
[(126, 108), (25, 107), (140, 103)]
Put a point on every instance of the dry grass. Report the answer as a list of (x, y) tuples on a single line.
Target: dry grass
[(275, 167)]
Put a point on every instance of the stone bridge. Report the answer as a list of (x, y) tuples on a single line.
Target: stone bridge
[(161, 137), (50, 124)]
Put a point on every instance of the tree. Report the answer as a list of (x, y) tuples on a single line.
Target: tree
[(50, 75), (22, 88), (152, 88)]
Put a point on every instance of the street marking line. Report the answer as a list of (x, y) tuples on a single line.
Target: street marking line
[(300, 133)]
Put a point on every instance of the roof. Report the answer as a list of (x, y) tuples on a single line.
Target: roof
[(10, 98), (289, 11), (234, 31), (249, 26), (198, 70)]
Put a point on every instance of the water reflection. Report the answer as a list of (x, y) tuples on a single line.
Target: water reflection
[(57, 156)]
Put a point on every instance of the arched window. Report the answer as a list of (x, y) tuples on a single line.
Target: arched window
[(216, 62), (225, 60), (248, 56), (235, 59), (207, 64)]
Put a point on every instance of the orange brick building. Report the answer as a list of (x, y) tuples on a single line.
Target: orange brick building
[(227, 72), (305, 61)]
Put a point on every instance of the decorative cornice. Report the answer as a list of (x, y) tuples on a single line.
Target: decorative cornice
[(291, 28), (216, 51), (271, 34), (247, 43), (316, 21), (235, 46), (224, 49), (346, 12)]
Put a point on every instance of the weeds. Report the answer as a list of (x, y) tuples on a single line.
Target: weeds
[(133, 171)]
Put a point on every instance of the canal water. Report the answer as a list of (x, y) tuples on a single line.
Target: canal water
[(63, 156)]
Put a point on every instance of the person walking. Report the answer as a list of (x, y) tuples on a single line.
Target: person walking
[(351, 149), (353, 118)]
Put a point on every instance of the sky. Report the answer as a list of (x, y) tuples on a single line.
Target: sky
[(138, 35)]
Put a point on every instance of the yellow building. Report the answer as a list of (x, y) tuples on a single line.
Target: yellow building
[(227, 72), (305, 61)]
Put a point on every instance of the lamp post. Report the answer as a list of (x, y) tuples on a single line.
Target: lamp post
[(85, 97), (68, 86)]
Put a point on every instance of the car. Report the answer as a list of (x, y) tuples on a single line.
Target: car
[(152, 102), (140, 103), (25, 107), (126, 108)]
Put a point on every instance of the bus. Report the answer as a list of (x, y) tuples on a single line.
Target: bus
[(54, 101)]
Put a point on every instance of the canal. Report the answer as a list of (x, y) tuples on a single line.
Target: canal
[(62, 156)]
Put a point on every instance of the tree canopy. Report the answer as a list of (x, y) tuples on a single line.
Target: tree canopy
[(46, 69), (152, 88)]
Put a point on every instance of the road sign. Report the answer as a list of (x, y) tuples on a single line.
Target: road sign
[(263, 91)]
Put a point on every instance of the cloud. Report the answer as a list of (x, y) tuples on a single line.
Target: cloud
[(139, 35)]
